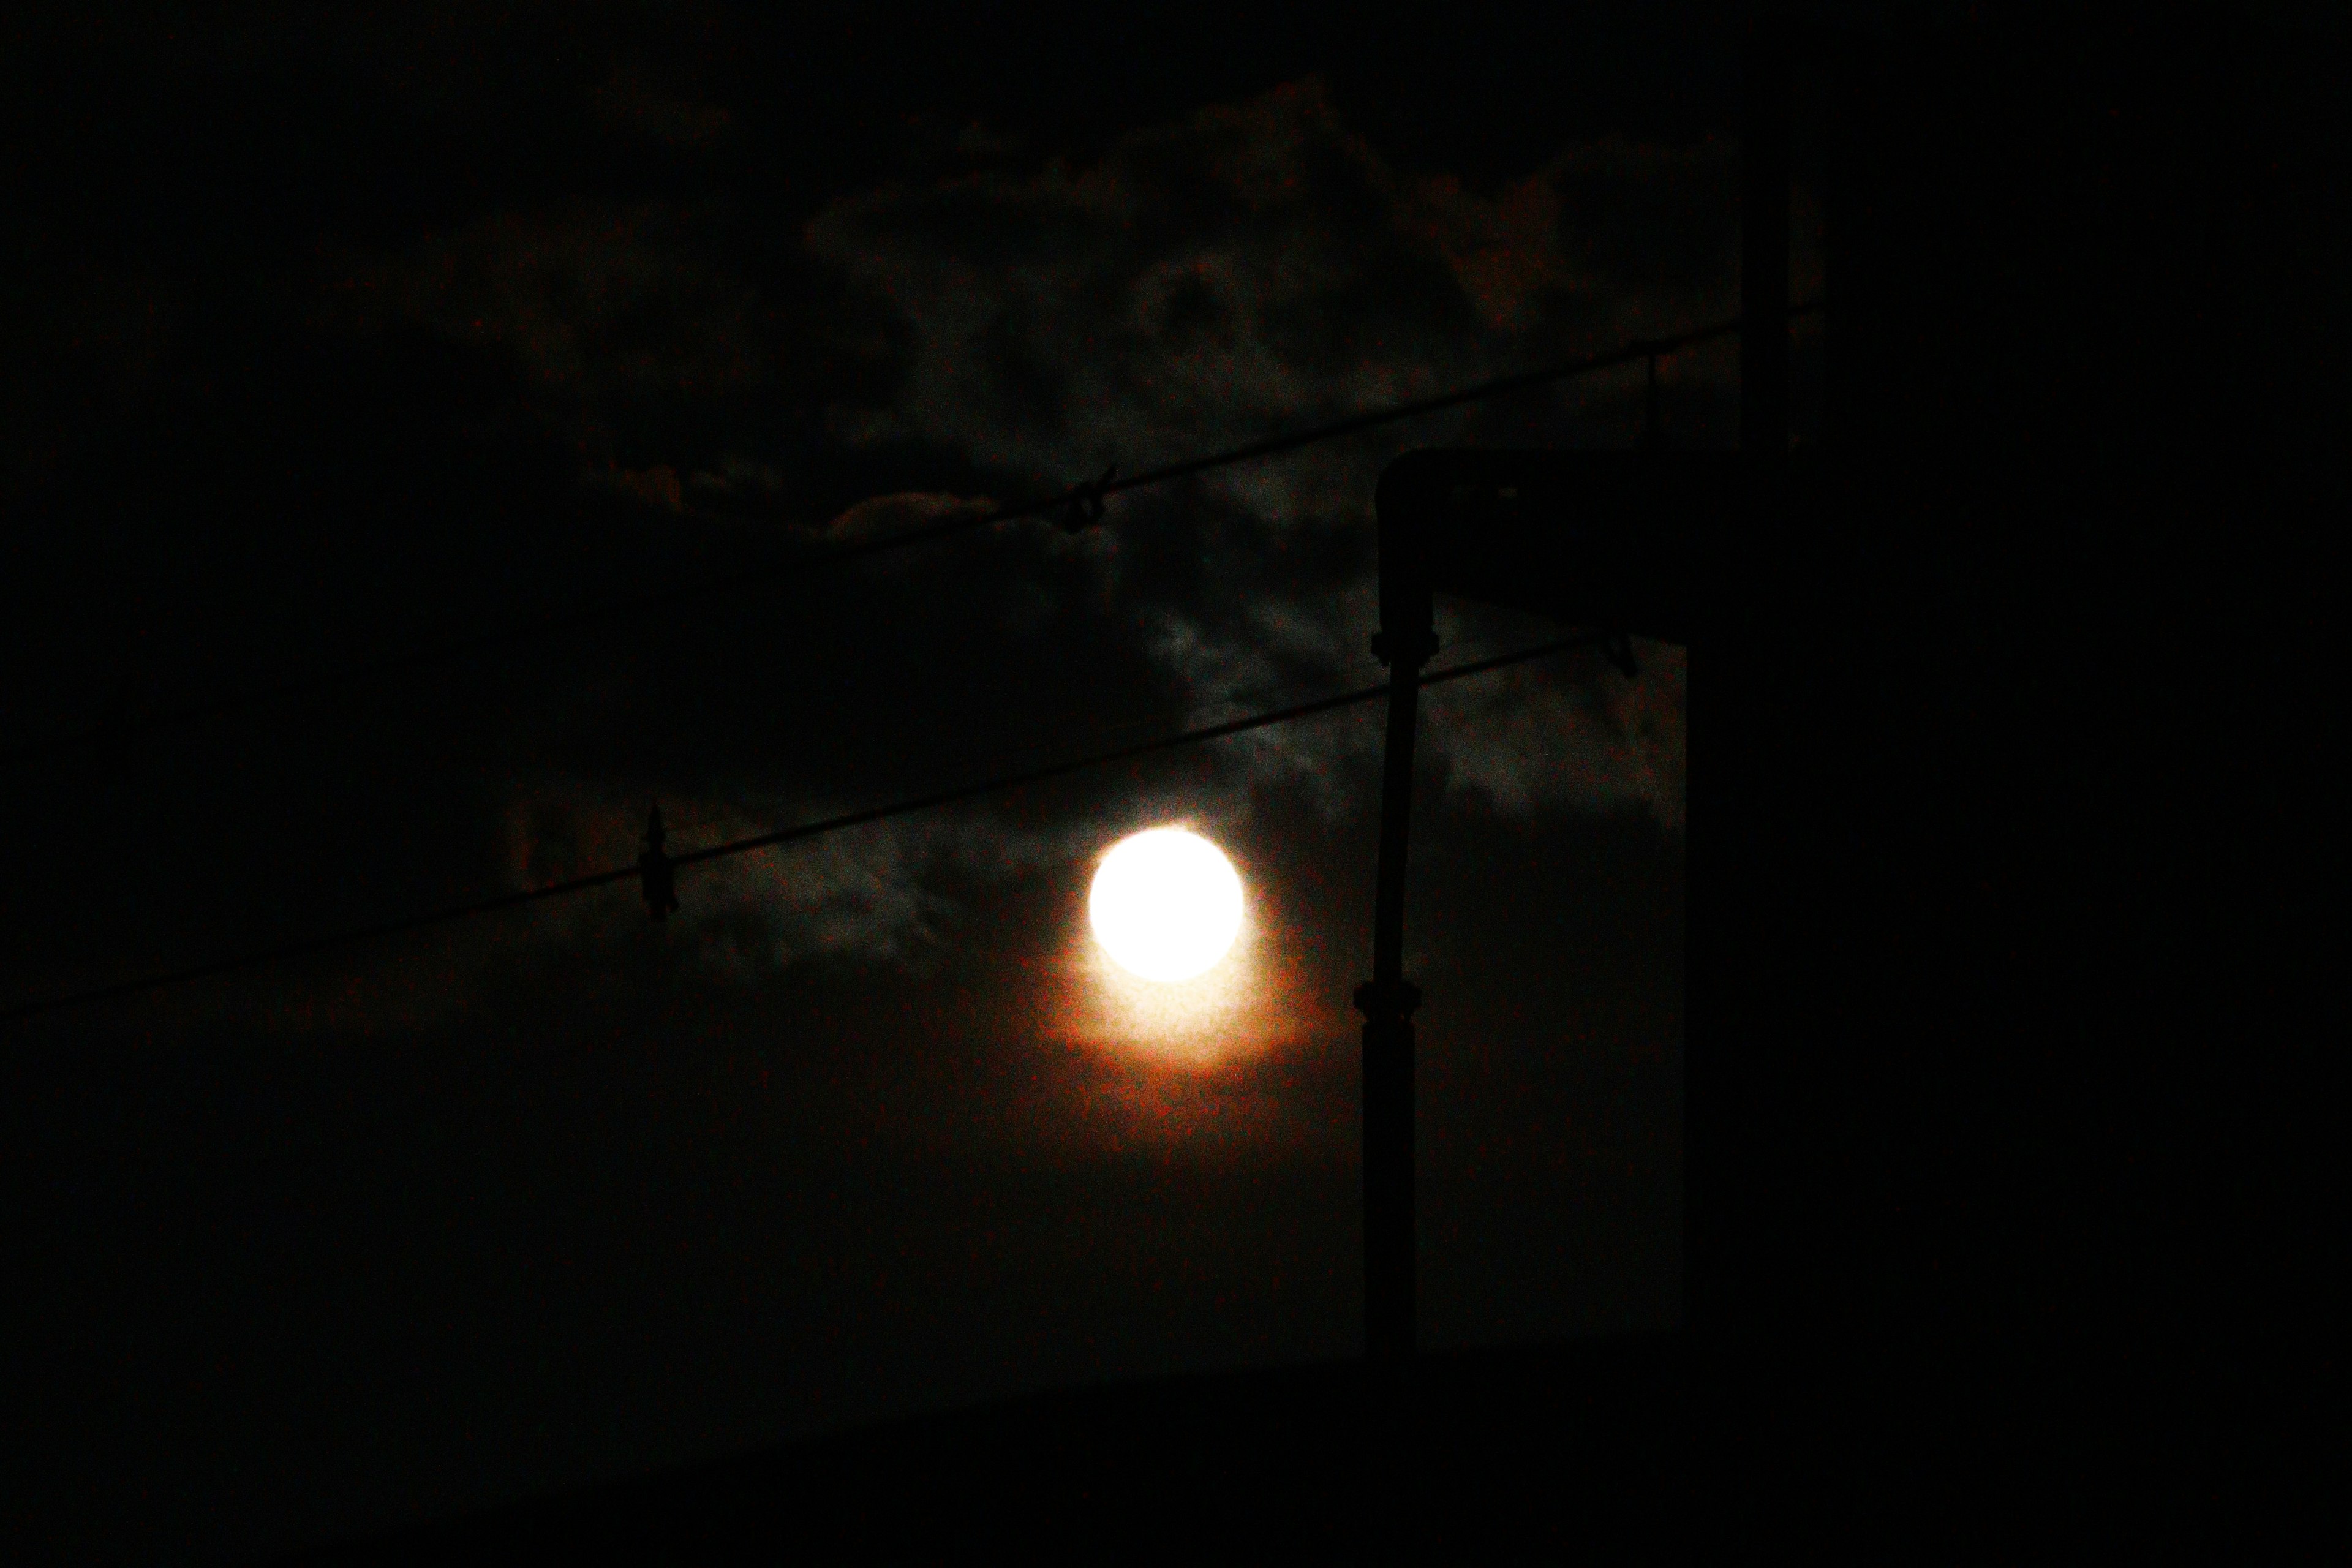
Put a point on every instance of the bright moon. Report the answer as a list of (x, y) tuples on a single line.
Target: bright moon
[(1166, 905)]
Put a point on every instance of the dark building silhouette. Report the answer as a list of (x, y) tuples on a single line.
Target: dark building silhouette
[(1951, 1237)]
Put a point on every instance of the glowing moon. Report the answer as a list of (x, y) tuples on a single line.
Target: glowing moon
[(1166, 904)]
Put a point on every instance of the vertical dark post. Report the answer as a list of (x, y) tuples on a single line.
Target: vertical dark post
[(1737, 1078), (1406, 640)]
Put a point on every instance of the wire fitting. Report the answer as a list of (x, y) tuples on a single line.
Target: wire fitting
[(654, 871), (1082, 508)]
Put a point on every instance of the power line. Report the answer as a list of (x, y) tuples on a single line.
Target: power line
[(1074, 724), (1084, 500), (769, 840)]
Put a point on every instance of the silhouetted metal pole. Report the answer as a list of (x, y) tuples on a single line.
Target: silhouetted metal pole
[(1404, 643), (1739, 1060), (1764, 237)]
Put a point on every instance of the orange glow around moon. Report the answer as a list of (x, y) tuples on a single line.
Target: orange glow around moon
[(1248, 991), (1166, 905)]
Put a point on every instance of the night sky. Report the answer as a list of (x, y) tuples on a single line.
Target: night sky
[(336, 335), (339, 336)]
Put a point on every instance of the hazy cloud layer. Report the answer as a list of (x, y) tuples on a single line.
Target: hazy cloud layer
[(1257, 269), (1252, 268), (938, 343)]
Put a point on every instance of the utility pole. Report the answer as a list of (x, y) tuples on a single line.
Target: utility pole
[(1406, 640), (1742, 666), (1764, 240), (1615, 541), (1739, 721)]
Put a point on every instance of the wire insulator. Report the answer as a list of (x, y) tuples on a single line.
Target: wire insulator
[(1083, 507)]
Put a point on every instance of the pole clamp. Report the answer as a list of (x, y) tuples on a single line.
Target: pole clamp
[(1377, 1000), (1420, 648)]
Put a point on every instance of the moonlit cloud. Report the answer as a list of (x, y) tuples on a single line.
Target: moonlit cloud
[(1258, 267), (1253, 267)]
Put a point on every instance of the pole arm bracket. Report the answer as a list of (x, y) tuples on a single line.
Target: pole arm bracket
[(1418, 646)]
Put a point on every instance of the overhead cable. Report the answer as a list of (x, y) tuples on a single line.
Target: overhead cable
[(638, 871), (1080, 506)]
